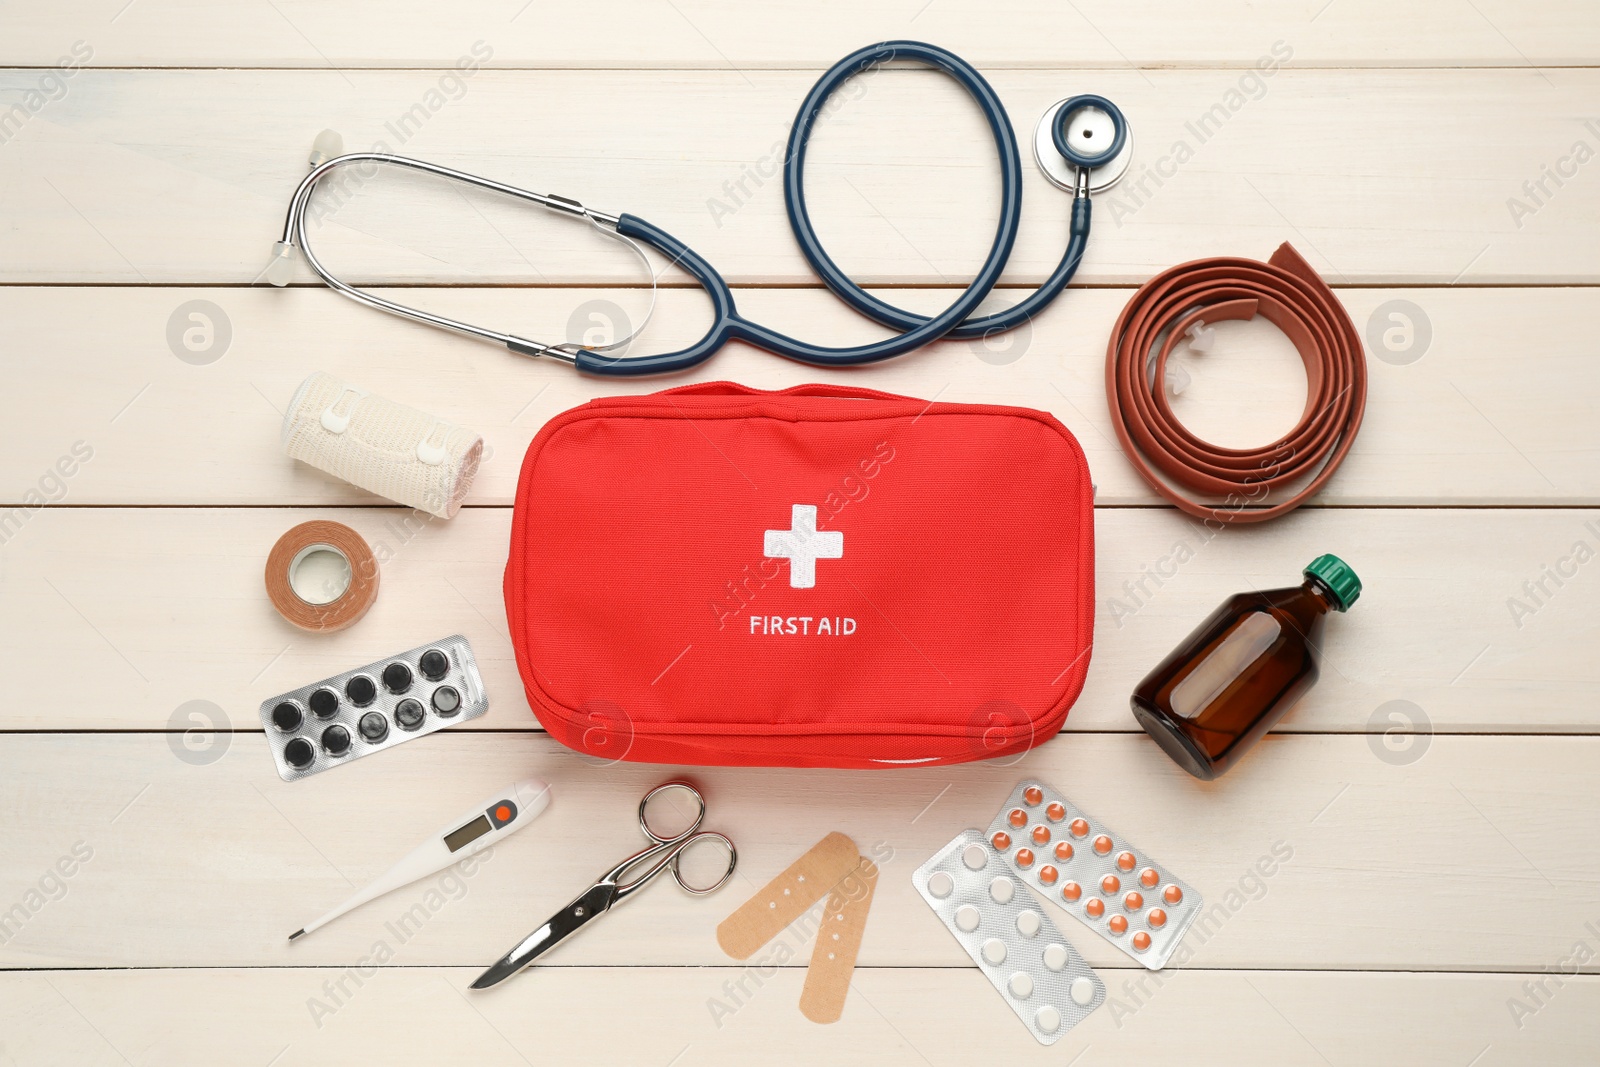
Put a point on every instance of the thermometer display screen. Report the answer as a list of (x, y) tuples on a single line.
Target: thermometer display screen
[(456, 840)]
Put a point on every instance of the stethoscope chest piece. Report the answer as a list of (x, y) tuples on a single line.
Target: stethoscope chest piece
[(1088, 129)]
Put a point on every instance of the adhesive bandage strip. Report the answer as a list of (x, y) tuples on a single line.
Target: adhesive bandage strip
[(785, 898), (833, 958)]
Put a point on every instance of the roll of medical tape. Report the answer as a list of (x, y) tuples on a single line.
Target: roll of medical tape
[(1289, 294), (342, 610), (395, 451)]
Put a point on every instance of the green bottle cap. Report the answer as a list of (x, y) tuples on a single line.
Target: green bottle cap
[(1335, 574)]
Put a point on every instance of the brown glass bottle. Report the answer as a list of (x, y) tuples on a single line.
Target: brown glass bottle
[(1241, 669)]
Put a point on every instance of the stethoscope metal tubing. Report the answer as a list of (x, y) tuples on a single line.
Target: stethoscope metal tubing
[(294, 232)]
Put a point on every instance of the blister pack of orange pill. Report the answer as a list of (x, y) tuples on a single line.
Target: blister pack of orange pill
[(1098, 875)]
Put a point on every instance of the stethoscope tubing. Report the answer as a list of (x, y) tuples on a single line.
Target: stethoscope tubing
[(917, 330)]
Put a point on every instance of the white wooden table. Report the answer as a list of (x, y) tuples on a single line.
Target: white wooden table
[(1444, 885)]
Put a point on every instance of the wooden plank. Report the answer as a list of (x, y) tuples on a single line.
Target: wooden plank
[(706, 34), (1491, 868), (902, 1015), (1473, 420), (1381, 177), (148, 609), (1375, 898)]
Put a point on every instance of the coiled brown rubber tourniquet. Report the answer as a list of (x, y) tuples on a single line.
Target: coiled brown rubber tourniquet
[(1288, 294)]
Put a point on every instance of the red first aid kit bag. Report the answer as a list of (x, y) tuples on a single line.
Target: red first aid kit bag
[(819, 577)]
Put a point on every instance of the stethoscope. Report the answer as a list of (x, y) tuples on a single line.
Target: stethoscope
[(1082, 144)]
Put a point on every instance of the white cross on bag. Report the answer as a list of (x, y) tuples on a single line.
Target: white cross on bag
[(803, 545)]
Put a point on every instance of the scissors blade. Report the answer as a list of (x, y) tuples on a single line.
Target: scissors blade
[(564, 922)]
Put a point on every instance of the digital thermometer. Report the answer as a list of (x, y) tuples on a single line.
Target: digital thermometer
[(486, 824)]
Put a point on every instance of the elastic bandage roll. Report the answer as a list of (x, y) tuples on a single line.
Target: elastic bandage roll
[(397, 452)]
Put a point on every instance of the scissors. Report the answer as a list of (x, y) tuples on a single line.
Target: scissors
[(1082, 144), (612, 888)]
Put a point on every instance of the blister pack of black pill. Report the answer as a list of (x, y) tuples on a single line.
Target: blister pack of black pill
[(383, 704)]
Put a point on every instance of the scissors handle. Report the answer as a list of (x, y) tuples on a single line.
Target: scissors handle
[(670, 855), (701, 891), (644, 813), (669, 848)]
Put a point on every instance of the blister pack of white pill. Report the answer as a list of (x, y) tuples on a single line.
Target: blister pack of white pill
[(1080, 864), (1007, 934)]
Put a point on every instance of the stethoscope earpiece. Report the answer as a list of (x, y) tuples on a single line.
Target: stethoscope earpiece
[(1083, 136)]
